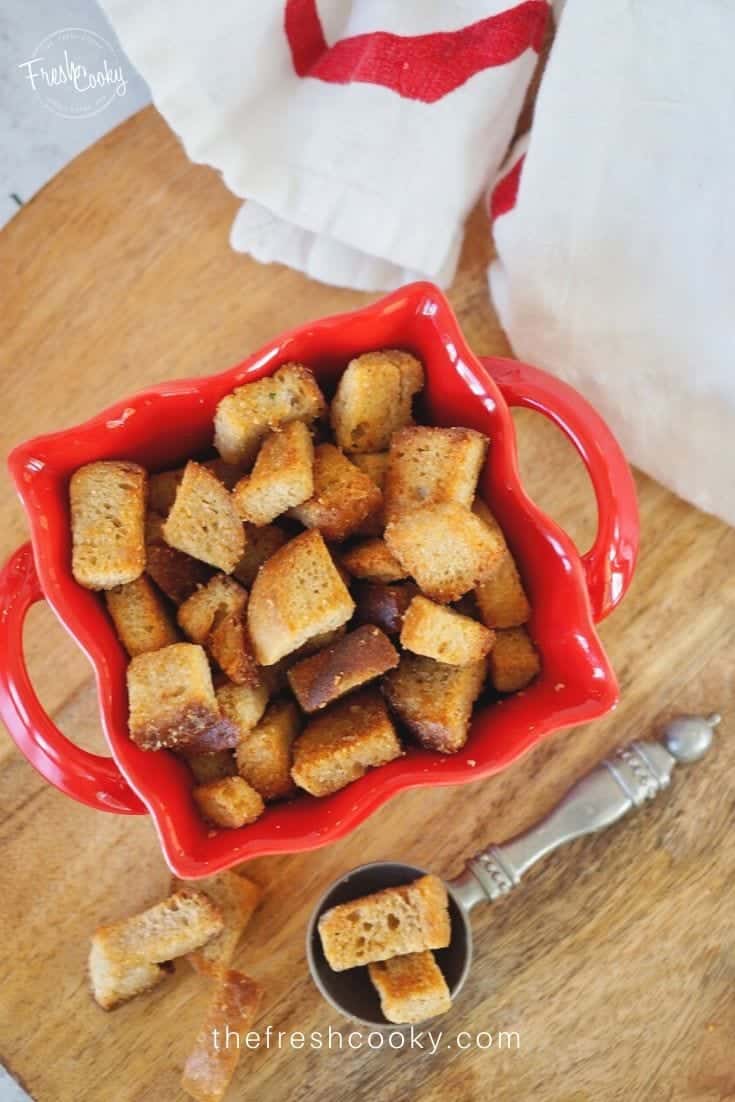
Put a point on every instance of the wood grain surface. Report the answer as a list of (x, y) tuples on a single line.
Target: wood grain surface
[(615, 962)]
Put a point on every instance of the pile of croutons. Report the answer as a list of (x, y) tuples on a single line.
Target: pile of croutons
[(296, 606)]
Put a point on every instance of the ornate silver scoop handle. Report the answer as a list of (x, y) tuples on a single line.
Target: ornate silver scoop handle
[(629, 779)]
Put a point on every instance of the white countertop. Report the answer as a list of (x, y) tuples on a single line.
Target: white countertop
[(36, 142)]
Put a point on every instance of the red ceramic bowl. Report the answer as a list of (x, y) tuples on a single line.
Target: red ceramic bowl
[(163, 426)]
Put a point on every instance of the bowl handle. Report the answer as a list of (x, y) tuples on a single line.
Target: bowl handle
[(610, 561), (90, 778)]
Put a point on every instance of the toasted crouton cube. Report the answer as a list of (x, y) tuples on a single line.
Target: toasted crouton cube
[(243, 705), (283, 475), (107, 502), (211, 767), (297, 594), (427, 466), (373, 562), (176, 574), (411, 987), (244, 417), (236, 898), (215, 617), (203, 521), (359, 657), (114, 982), (501, 600), (373, 464), (184, 921), (344, 497), (343, 742), (232, 1011), (374, 398), (434, 700), (172, 702), (514, 661), (230, 646), (443, 634), (383, 605), (445, 548), (260, 544), (406, 919), (264, 753), (205, 608), (140, 616), (162, 489), (230, 802), (125, 957)]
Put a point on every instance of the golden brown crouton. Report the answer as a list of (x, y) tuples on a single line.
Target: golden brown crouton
[(205, 608), (385, 924), (203, 521), (427, 466), (230, 802), (124, 955), (172, 702), (260, 544), (344, 497), (434, 700), (445, 548), (514, 661), (264, 753), (236, 898), (411, 987), (297, 594), (374, 398), (244, 417), (343, 742), (215, 617), (211, 767), (283, 475), (359, 657), (373, 561), (231, 1013), (162, 489), (443, 634), (383, 605), (373, 464), (501, 600), (107, 501), (176, 574), (114, 982), (243, 705), (140, 616)]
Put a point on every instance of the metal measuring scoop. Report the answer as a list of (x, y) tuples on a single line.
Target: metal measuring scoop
[(616, 786)]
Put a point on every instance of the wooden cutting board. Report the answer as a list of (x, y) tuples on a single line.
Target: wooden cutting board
[(615, 962)]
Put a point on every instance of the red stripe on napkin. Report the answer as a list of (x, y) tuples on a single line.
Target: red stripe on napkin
[(423, 67), (504, 194)]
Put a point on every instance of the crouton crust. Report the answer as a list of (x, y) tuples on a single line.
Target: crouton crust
[(445, 548), (365, 930), (107, 501), (343, 742), (429, 465), (203, 521), (297, 594), (357, 658), (344, 496), (373, 399), (244, 417)]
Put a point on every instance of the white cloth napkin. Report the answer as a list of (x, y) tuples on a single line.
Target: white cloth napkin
[(362, 132), (616, 248)]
